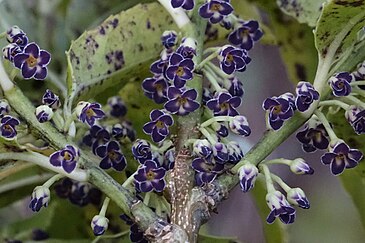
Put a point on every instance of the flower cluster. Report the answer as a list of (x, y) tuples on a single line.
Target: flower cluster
[(28, 57)]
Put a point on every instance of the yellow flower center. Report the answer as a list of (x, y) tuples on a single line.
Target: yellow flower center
[(31, 61), (160, 124), (150, 175), (215, 7), (180, 71), (90, 113), (276, 110), (67, 156)]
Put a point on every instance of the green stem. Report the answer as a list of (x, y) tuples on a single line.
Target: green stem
[(353, 100), (206, 60), (357, 83), (207, 135), (52, 180), (216, 119), (3, 35), (326, 125), (280, 182), (269, 184), (212, 80), (104, 207), (358, 91), (178, 14), (277, 161), (129, 180), (219, 71), (146, 199), (338, 103)]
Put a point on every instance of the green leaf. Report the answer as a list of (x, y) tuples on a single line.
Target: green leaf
[(112, 54), (305, 11), (338, 26), (274, 233), (203, 238), (295, 42)]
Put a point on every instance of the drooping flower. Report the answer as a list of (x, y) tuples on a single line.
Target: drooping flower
[(306, 94), (141, 150), (340, 84), (313, 137), (206, 171), (300, 167), (356, 117), (181, 102), (117, 105), (233, 59), (235, 153), (17, 36), (97, 136), (180, 69), (169, 38), (279, 110), (220, 152), (239, 125), (10, 50), (215, 10), (43, 113), (7, 126), (220, 129), (155, 88), (202, 148), (112, 156), (247, 174), (4, 107), (99, 224), (341, 156), (234, 87), (185, 4), (187, 47), (224, 104), (297, 197), (33, 62), (150, 177), (40, 198), (66, 157), (280, 207), (89, 112), (245, 34), (159, 125), (51, 99)]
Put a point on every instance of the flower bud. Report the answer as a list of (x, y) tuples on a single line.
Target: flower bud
[(43, 113), (297, 197), (169, 39), (300, 167), (99, 224), (247, 175), (141, 150), (10, 50), (235, 153), (4, 108), (202, 148), (239, 126), (51, 99), (220, 152), (117, 105), (40, 197), (220, 129), (280, 207)]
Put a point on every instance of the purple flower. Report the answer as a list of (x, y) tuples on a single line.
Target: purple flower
[(300, 167), (202, 148), (99, 224), (4, 108), (135, 233), (206, 171), (215, 10), (150, 177), (43, 113), (187, 48), (158, 67), (7, 126), (185, 4), (235, 87), (117, 105), (141, 150), (359, 73), (66, 157), (40, 198), (280, 207), (159, 125), (246, 34), (239, 125), (17, 36), (279, 110), (247, 174), (224, 104), (306, 94), (356, 117), (206, 96), (313, 137), (155, 88), (235, 153), (112, 156), (180, 69), (89, 112), (341, 156), (10, 51), (233, 59), (181, 102), (97, 136), (33, 62), (220, 153), (51, 99), (220, 129), (297, 197), (169, 39), (340, 84)]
